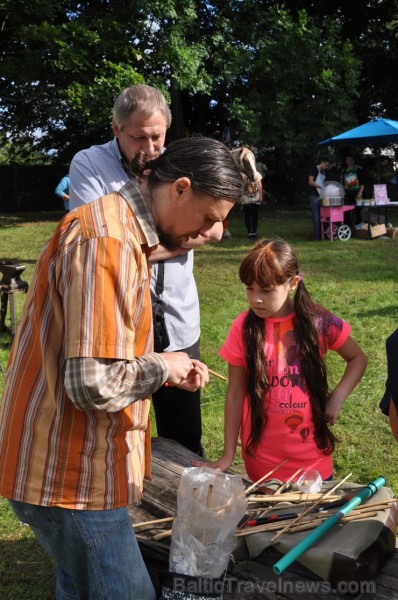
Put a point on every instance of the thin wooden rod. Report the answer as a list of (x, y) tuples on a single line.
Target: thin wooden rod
[(153, 522), (217, 374), (264, 477)]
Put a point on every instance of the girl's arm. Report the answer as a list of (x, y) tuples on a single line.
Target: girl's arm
[(232, 418), (355, 368), (393, 418)]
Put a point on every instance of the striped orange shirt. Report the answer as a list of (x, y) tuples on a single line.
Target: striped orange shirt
[(90, 297)]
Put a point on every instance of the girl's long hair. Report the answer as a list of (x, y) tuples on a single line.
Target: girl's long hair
[(269, 264)]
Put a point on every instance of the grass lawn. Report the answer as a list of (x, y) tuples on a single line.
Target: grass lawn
[(356, 279)]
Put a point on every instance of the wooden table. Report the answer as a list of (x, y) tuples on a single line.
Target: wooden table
[(168, 461)]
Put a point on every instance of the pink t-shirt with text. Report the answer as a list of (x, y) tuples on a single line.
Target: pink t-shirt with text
[(289, 432)]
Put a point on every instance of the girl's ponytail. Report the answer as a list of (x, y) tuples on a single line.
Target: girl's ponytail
[(314, 368), (257, 381)]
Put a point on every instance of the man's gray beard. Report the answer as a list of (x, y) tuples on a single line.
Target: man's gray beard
[(168, 241)]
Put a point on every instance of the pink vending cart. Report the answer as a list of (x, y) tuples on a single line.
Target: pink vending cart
[(332, 222)]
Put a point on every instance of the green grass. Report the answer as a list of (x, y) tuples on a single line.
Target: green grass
[(356, 279), (25, 569)]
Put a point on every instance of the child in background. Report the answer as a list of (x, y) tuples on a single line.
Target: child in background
[(278, 397), (62, 191)]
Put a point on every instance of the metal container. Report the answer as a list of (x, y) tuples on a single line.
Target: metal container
[(334, 201), (332, 194)]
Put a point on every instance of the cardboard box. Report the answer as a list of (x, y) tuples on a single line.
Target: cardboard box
[(375, 231), (392, 232), (378, 230)]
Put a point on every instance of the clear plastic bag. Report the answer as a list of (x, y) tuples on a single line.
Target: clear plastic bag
[(210, 504)]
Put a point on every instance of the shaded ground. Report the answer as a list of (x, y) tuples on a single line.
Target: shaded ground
[(24, 219)]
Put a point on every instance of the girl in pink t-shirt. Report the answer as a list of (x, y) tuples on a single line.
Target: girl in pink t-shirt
[(278, 398)]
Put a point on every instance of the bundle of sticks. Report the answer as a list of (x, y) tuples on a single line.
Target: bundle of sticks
[(264, 515)]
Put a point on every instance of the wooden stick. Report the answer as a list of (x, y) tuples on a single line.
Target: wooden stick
[(261, 528), (374, 504), (371, 508), (163, 534), (315, 522), (217, 374), (264, 477), (209, 494), (279, 491), (289, 497), (323, 496), (286, 483), (154, 522)]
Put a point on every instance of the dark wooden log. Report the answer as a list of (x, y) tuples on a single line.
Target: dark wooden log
[(169, 459)]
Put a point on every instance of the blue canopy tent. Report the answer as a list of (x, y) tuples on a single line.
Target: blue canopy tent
[(377, 131)]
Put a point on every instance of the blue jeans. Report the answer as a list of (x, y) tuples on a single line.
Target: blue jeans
[(95, 552), (315, 203)]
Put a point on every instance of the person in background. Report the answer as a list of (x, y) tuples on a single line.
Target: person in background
[(141, 118), (316, 180), (74, 441), (352, 181), (389, 402), (226, 234), (278, 398), (253, 195), (62, 191), (262, 168)]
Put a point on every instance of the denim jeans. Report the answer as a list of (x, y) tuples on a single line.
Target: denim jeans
[(95, 551), (315, 203)]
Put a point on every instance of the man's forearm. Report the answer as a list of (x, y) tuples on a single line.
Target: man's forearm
[(111, 385)]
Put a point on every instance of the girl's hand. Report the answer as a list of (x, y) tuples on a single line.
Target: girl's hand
[(333, 407), (222, 464), (355, 368)]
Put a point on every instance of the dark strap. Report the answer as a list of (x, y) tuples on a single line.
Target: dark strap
[(159, 287)]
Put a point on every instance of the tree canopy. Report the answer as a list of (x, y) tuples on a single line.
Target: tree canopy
[(274, 75)]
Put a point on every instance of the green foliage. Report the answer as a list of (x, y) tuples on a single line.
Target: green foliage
[(303, 82), (281, 75), (70, 60)]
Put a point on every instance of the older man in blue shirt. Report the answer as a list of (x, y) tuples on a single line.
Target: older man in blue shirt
[(141, 118)]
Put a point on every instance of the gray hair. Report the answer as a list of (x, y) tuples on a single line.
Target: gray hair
[(142, 98)]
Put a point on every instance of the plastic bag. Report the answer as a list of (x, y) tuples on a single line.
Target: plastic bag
[(210, 504)]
